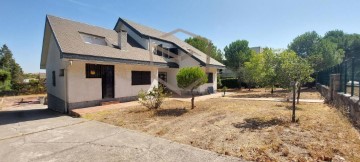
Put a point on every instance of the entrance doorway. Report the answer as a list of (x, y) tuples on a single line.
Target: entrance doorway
[(107, 81)]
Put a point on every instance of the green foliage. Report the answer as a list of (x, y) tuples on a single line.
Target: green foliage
[(306, 44), (293, 68), (253, 71), (191, 78), (206, 46), (154, 98), (7, 63), (230, 83), (187, 76), (271, 68), (5, 79), (35, 86), (236, 53)]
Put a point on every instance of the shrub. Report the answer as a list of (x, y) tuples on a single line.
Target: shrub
[(230, 83), (154, 98)]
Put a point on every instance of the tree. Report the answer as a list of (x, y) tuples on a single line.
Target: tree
[(7, 63), (321, 53), (190, 78), (294, 69), (236, 54), (305, 45), (206, 46), (253, 71), (5, 79), (271, 68)]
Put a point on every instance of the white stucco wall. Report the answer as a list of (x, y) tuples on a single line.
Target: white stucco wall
[(123, 87), (88, 89), (54, 63), (204, 87)]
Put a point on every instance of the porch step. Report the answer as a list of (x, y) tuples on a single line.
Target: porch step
[(109, 103)]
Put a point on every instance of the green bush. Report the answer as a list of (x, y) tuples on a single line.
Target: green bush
[(152, 99), (230, 83)]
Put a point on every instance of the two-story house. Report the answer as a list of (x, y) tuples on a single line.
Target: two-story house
[(86, 65)]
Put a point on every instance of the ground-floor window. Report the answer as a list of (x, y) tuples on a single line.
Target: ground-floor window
[(210, 78), (140, 77)]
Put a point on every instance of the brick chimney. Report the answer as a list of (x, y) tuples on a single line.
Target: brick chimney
[(122, 36)]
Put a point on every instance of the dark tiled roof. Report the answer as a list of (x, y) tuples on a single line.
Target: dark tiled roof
[(150, 32), (70, 42)]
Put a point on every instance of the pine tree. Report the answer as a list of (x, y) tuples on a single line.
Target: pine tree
[(7, 63)]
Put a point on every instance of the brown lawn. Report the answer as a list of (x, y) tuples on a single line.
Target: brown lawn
[(253, 130)]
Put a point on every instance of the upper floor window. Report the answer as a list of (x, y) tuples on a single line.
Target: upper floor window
[(93, 39)]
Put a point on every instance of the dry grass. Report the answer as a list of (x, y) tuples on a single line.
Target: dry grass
[(254, 130)]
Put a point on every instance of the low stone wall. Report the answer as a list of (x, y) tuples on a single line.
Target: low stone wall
[(343, 102)]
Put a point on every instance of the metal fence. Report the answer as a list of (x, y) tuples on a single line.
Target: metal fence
[(349, 71)]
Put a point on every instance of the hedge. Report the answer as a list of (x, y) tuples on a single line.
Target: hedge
[(230, 83)]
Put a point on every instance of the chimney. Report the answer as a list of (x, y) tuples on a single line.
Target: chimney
[(122, 36)]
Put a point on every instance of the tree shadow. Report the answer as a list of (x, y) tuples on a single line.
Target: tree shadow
[(171, 112), (258, 123), (289, 107), (17, 116)]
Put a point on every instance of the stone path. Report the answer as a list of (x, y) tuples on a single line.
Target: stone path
[(37, 134), (276, 99)]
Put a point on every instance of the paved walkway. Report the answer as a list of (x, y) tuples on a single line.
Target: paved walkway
[(276, 99), (83, 111), (33, 133)]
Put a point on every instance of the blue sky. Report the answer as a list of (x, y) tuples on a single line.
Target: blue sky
[(262, 22)]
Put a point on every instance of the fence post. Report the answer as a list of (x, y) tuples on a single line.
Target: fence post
[(352, 75), (341, 77), (345, 76)]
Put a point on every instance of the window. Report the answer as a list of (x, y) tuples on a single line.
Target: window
[(210, 78), (53, 78), (93, 39), (140, 77), (61, 72), (93, 71)]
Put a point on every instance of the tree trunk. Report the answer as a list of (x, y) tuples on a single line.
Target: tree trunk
[(192, 99), (239, 82), (272, 89), (293, 104), (298, 95)]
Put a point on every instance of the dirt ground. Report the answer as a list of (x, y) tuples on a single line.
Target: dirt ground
[(11, 101), (253, 130)]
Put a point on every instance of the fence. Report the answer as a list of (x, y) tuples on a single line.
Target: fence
[(349, 71)]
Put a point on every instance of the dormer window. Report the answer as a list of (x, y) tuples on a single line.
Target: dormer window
[(93, 39)]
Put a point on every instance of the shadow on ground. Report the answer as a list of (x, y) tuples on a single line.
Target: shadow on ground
[(16, 116), (171, 112), (257, 123)]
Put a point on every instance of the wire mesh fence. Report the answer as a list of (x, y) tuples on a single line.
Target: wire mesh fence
[(349, 71)]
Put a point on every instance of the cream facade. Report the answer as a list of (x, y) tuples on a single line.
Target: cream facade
[(85, 71)]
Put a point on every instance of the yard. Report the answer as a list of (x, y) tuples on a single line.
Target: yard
[(253, 130)]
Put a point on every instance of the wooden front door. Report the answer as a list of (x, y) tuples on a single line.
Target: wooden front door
[(108, 81)]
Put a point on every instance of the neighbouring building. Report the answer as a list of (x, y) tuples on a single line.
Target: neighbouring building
[(87, 65)]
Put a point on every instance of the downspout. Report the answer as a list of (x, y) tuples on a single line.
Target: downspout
[(66, 86)]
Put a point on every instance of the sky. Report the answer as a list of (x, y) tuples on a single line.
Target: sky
[(266, 23)]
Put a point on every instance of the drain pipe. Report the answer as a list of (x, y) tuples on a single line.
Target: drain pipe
[(66, 86)]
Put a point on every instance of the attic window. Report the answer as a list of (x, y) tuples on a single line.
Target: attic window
[(93, 39)]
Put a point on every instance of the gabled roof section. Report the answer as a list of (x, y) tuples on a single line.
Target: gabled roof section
[(67, 35), (145, 31)]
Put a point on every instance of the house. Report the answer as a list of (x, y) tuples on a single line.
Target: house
[(87, 65)]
